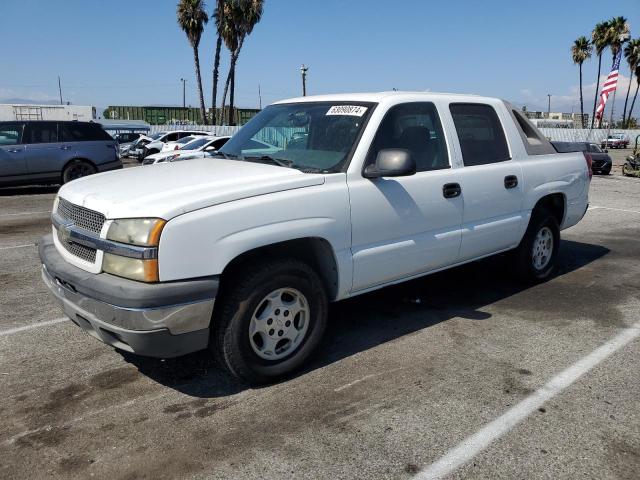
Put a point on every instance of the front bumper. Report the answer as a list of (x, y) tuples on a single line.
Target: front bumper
[(157, 320)]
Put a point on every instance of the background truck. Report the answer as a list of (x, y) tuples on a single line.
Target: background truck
[(317, 199), (616, 140)]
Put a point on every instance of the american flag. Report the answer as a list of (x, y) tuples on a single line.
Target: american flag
[(609, 85)]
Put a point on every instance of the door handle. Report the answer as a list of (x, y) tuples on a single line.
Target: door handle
[(65, 147), (510, 181), (14, 150), (451, 190)]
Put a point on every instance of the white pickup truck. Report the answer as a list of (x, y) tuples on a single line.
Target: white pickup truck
[(315, 200)]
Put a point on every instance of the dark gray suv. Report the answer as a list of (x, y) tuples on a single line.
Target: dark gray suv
[(45, 152)]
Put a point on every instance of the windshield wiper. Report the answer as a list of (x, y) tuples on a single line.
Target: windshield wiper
[(267, 159)]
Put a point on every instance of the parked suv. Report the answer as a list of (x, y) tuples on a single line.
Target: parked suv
[(37, 152)]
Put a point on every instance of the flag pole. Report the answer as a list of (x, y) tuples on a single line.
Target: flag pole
[(613, 106)]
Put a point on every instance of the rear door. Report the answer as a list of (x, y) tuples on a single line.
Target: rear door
[(88, 141), (491, 182), (45, 156), (12, 158)]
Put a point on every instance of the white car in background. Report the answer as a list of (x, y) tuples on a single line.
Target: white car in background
[(166, 137), (177, 144), (197, 148)]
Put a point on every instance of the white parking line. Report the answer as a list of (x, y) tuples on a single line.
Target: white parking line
[(24, 213), (11, 331), (476, 443), (18, 246), (596, 207)]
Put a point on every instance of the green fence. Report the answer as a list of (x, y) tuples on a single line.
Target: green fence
[(172, 115)]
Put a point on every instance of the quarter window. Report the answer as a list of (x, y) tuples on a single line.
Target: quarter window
[(480, 133), (82, 132), (415, 127)]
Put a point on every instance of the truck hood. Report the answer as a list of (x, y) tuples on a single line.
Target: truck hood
[(170, 189)]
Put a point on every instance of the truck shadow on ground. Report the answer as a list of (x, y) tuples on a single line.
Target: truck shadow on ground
[(30, 190), (366, 321)]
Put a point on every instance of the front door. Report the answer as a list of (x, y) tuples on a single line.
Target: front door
[(404, 226)]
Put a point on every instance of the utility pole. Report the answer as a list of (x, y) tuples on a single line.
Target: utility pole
[(60, 89), (259, 97), (184, 103), (303, 71), (549, 107)]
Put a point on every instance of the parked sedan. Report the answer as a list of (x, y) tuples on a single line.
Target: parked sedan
[(198, 148), (600, 159)]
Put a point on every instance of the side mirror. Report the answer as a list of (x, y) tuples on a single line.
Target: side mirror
[(391, 162), (606, 151)]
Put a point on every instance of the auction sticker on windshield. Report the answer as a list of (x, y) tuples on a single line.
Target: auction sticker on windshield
[(354, 110)]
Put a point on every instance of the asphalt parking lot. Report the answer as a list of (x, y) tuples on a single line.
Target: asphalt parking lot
[(463, 374)]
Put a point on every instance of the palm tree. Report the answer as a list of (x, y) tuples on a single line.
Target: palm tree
[(617, 34), (244, 14), (222, 25), (600, 42), (192, 18), (632, 54), (636, 94), (580, 51)]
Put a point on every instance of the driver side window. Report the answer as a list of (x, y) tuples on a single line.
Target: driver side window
[(414, 127)]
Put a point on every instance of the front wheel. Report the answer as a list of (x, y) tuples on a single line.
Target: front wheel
[(535, 257), (269, 320)]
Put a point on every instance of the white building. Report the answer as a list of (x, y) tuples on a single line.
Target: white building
[(46, 112)]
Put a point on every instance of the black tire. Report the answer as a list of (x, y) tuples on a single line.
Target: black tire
[(524, 259), (244, 294), (77, 169)]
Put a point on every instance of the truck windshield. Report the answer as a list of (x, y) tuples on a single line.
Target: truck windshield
[(312, 137)]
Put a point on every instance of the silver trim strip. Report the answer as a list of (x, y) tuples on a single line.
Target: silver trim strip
[(88, 239)]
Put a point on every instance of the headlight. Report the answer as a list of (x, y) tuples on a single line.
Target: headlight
[(133, 268), (143, 232)]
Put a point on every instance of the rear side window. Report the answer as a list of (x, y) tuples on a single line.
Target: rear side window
[(82, 132), (42, 132), (480, 133), (414, 127), (11, 133)]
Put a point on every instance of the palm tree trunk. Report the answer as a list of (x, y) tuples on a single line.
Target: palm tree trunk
[(234, 61), (216, 71), (634, 100), (224, 95), (624, 112), (595, 99), (196, 58), (232, 120), (581, 102)]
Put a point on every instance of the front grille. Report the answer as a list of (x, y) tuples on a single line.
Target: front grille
[(85, 253), (82, 217)]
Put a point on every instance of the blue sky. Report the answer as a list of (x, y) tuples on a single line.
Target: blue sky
[(133, 52)]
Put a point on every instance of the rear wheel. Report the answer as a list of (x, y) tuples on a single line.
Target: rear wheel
[(270, 321), (77, 169), (535, 257)]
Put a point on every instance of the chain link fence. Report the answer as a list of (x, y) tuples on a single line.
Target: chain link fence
[(554, 134)]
